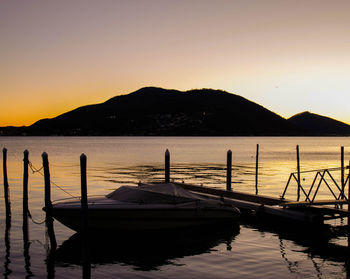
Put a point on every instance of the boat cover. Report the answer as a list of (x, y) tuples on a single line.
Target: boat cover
[(165, 193)]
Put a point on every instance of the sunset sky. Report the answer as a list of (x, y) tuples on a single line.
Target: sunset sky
[(289, 56)]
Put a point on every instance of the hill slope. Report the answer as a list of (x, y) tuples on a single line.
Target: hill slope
[(314, 124), (157, 111)]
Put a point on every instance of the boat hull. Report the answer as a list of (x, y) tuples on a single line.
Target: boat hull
[(145, 218)]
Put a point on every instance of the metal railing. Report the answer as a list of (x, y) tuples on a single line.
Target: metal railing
[(338, 191)]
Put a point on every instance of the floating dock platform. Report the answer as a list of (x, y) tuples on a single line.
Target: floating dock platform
[(308, 212)]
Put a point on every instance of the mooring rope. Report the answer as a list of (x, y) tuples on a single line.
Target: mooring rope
[(35, 170), (35, 222), (75, 197)]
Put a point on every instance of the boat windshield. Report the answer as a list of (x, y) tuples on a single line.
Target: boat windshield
[(166, 193)]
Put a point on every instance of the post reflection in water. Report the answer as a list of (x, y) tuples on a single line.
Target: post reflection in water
[(84, 242), (50, 248), (145, 250), (7, 270), (26, 245), (293, 265)]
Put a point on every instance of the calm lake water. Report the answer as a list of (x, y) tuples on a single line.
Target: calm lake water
[(252, 251)]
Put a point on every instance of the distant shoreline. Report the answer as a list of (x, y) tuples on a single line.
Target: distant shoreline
[(180, 136)]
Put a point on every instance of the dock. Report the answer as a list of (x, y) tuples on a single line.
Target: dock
[(308, 211), (264, 206)]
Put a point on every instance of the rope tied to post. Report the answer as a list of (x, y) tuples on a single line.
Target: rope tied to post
[(36, 170)]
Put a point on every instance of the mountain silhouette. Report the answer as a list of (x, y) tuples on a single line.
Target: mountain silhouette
[(153, 111), (318, 125)]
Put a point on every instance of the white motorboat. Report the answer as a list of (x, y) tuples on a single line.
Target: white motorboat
[(146, 207)]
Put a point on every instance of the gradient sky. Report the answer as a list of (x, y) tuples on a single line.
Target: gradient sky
[(289, 56)]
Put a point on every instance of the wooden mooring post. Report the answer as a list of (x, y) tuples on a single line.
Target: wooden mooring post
[(84, 218), (342, 172), (7, 270), (25, 213), (25, 185), (349, 212), (298, 173), (6, 184), (229, 171), (256, 169), (84, 204), (48, 204), (167, 166)]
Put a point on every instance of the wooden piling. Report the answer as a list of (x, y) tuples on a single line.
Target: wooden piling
[(229, 171), (349, 211), (6, 185), (25, 211), (84, 218), (84, 204), (48, 204), (7, 261), (25, 182), (167, 166), (49, 219), (342, 172), (256, 169), (298, 171)]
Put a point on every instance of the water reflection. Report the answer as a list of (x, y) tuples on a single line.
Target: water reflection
[(26, 245), (7, 270), (292, 265), (145, 250), (314, 240), (203, 165), (212, 175), (50, 264), (50, 248)]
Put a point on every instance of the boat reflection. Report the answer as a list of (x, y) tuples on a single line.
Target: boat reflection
[(145, 250)]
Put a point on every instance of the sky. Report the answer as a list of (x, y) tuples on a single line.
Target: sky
[(288, 56)]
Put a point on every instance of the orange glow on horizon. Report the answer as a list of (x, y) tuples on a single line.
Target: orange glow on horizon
[(27, 113)]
